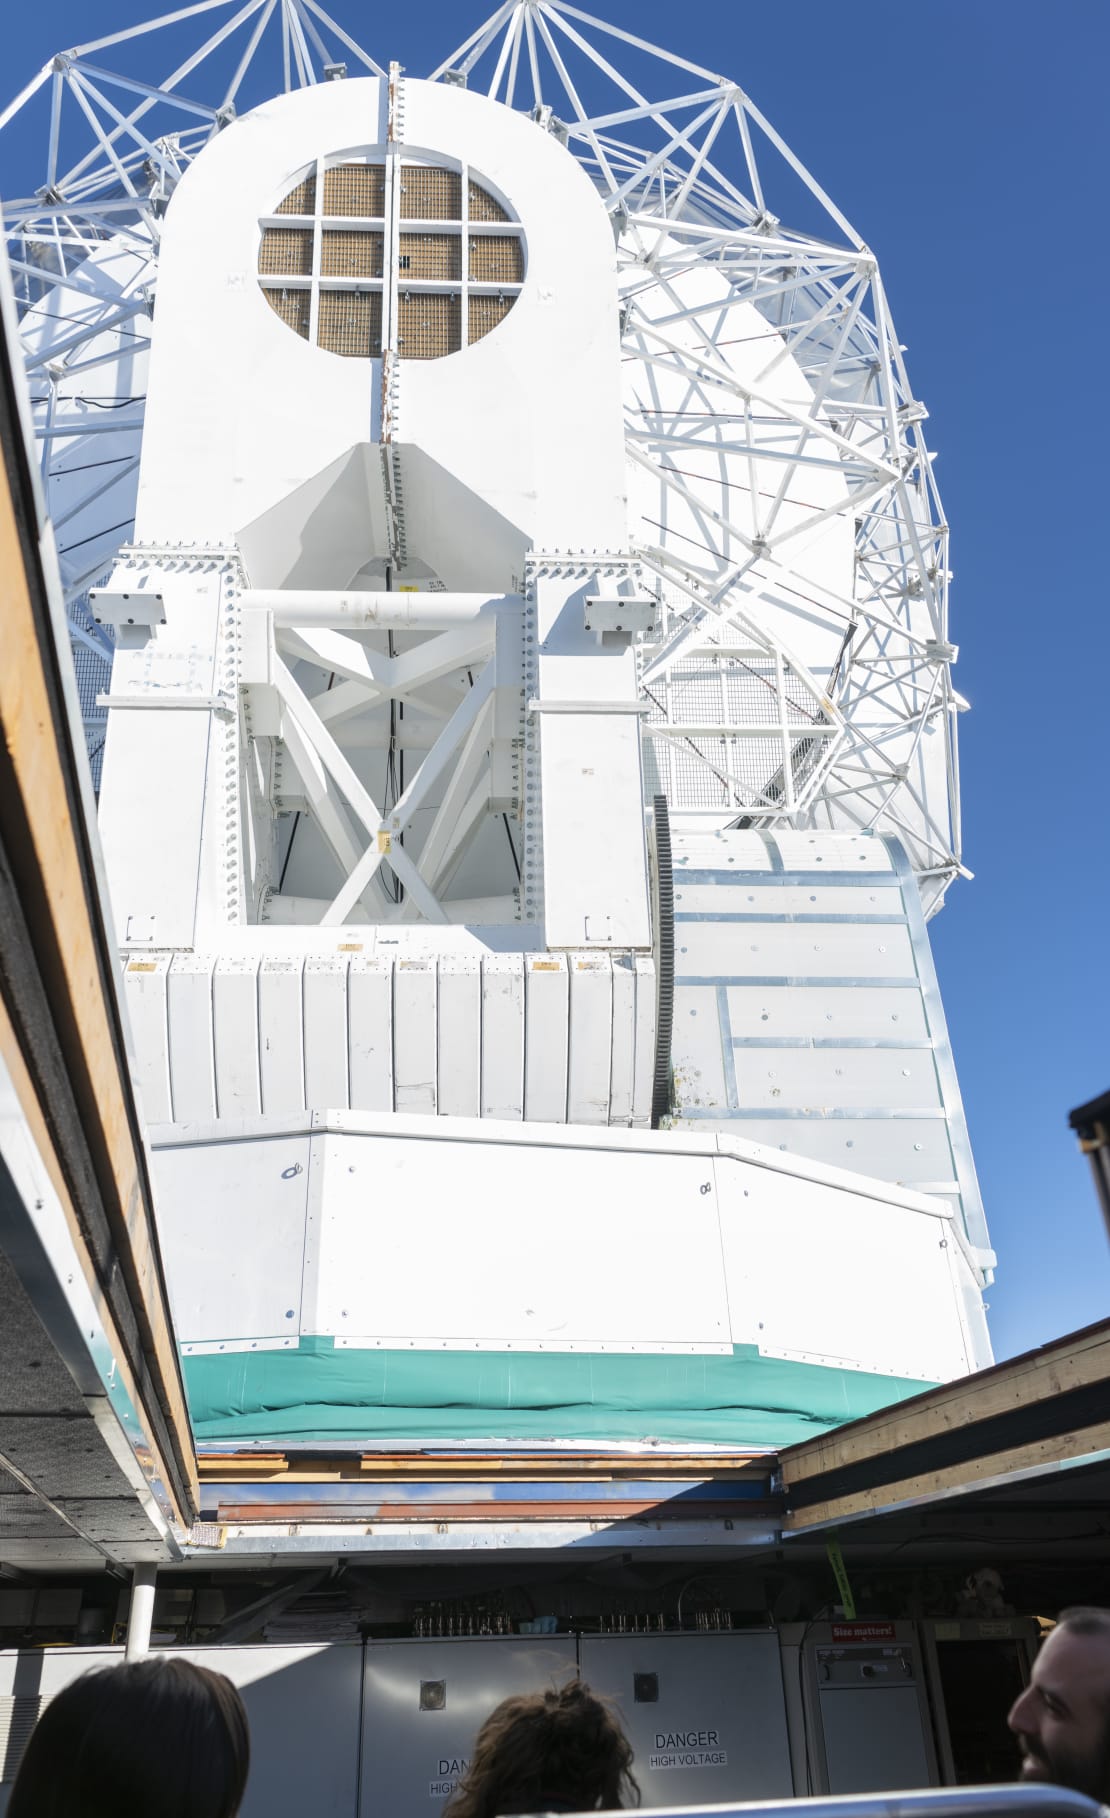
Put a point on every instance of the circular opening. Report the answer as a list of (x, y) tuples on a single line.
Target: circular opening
[(380, 248)]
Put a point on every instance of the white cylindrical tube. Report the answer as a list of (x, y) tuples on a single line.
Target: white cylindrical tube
[(141, 1613), (372, 611)]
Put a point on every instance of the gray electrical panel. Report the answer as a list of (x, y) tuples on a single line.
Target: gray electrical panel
[(302, 1706), (865, 1708), (425, 1701), (704, 1713)]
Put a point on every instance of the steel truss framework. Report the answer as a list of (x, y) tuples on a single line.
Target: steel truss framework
[(690, 171)]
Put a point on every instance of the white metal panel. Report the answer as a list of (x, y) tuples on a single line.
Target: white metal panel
[(303, 1708), (623, 1058), (914, 1151), (697, 1058), (465, 1205), (414, 1035), (503, 1035), (370, 1033), (460, 1036), (192, 1050), (723, 950), (818, 1273), (145, 980), (152, 844), (591, 1038), (325, 1034), (281, 1035), (803, 900), (231, 1222), (235, 1033), (721, 1694), (848, 1078), (888, 1013), (413, 1757), (595, 873), (739, 851), (547, 1009), (863, 852), (643, 1077)]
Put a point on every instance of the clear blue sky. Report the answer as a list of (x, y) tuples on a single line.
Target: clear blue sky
[(967, 141)]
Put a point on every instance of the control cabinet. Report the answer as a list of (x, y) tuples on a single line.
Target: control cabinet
[(860, 1710), (425, 1701), (704, 1713)]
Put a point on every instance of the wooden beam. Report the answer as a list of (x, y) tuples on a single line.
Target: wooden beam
[(976, 1473), (1074, 1363), (47, 847)]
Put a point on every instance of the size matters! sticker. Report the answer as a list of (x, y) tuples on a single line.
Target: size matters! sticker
[(687, 1749)]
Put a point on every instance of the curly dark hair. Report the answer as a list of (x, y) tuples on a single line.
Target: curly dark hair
[(547, 1752)]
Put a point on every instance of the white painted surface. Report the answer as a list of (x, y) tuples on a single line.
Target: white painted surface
[(556, 1239), (252, 1217), (468, 1032)]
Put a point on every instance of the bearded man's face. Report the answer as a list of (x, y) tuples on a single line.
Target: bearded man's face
[(1062, 1719)]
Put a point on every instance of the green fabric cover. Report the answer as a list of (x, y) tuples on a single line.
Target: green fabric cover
[(318, 1392)]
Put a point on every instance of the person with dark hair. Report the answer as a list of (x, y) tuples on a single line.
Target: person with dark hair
[(159, 1736), (557, 1751), (1062, 1719)]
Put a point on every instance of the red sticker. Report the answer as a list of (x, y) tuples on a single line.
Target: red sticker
[(863, 1631)]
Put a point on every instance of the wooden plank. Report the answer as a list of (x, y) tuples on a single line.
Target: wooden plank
[(973, 1473), (40, 759), (1073, 1364), (224, 1467)]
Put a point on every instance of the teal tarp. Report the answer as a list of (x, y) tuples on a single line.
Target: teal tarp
[(319, 1392)]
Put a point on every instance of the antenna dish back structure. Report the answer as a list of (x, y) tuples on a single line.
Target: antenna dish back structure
[(509, 601)]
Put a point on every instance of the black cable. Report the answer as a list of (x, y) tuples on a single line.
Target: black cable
[(391, 792), (664, 960), (289, 851), (59, 473), (78, 397), (96, 536)]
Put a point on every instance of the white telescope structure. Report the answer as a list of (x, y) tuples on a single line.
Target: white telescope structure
[(528, 756)]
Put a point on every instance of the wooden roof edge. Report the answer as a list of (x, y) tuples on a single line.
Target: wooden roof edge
[(1075, 1360), (318, 1464), (991, 1471)]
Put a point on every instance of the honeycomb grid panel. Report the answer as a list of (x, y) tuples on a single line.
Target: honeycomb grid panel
[(484, 207), (428, 326), (300, 201), (355, 190), (350, 323), (286, 252), (435, 256), (485, 313), (347, 253), (496, 259), (293, 306), (428, 194), (343, 286)]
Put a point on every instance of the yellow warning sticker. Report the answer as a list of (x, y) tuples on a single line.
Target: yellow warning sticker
[(546, 966), (349, 947), (385, 840), (143, 966)]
